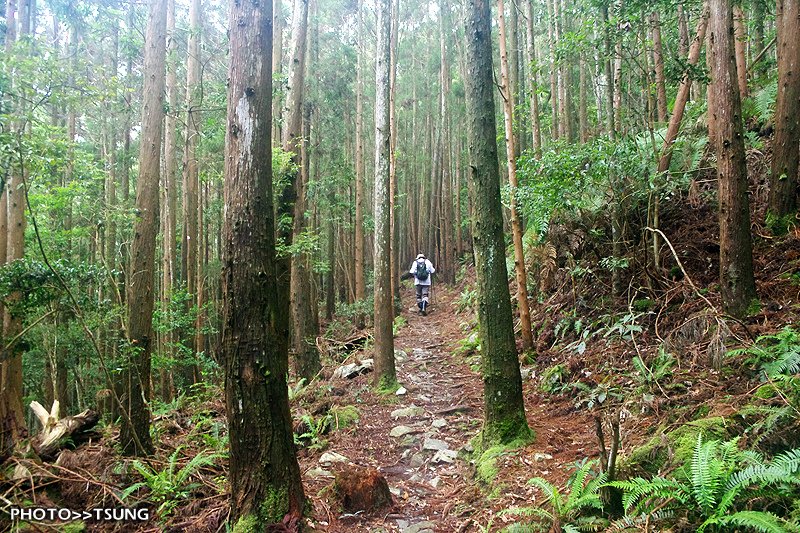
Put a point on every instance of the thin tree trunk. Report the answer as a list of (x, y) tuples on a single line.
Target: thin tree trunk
[(737, 284), (583, 114), (683, 94), (609, 74), (554, 66), (536, 126), (135, 431), (658, 63), (785, 157), (516, 224), (277, 67), (385, 374), (170, 198), (395, 258), (358, 262)]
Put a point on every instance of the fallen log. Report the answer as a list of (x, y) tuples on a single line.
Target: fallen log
[(57, 434)]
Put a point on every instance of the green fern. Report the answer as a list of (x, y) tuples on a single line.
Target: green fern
[(777, 354), (575, 509), (171, 485), (721, 479)]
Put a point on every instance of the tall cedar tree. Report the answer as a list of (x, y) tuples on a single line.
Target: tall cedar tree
[(135, 431), (786, 156), (264, 474), (737, 284), (385, 374), (12, 241), (504, 410), (303, 321)]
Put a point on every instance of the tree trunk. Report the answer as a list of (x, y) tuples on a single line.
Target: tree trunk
[(385, 374), (609, 74), (783, 178), (358, 263), (395, 274), (191, 183), (737, 284), (583, 114), (504, 411), (683, 94), (264, 474), (740, 44), (135, 431), (554, 66), (658, 64), (516, 223), (277, 67), (169, 217), (534, 81)]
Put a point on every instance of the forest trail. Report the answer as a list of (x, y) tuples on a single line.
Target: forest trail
[(417, 440)]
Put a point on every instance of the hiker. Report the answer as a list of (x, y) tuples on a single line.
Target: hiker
[(422, 270)]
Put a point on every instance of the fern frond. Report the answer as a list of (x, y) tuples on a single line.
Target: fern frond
[(638, 491), (197, 462), (551, 492), (758, 520), (706, 474)]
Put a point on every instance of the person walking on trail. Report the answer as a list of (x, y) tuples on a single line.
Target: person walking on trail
[(422, 270)]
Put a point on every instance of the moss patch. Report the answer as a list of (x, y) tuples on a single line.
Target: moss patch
[(343, 416), (672, 448)]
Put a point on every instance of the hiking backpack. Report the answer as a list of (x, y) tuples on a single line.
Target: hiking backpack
[(422, 271)]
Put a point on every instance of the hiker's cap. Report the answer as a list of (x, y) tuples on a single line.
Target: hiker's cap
[(421, 256)]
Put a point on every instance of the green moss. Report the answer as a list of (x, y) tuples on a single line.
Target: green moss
[(766, 392), (754, 308), (643, 304), (511, 433), (672, 448), (275, 505), (486, 465), (74, 527), (343, 416), (387, 386), (246, 524)]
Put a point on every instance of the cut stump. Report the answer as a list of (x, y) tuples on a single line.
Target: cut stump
[(361, 489)]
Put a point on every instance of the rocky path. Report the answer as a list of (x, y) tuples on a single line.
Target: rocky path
[(414, 437)]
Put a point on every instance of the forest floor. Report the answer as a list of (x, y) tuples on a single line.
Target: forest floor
[(433, 489)]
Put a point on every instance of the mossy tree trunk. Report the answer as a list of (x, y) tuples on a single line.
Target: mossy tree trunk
[(264, 473), (504, 412)]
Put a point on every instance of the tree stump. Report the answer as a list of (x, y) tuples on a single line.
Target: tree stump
[(361, 489)]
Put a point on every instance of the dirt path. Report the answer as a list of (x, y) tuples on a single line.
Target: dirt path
[(414, 439)]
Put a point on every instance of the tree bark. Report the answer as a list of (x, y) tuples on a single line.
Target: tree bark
[(277, 67), (740, 44), (303, 323), (264, 473), (737, 284), (536, 126), (609, 74), (385, 374), (785, 158), (168, 220), (658, 64), (683, 93), (504, 412), (358, 262), (191, 183), (135, 432), (516, 223)]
